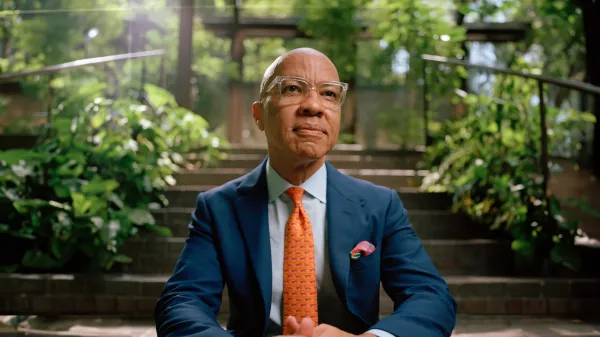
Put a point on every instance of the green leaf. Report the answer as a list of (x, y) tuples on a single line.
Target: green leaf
[(17, 234), (523, 247), (98, 206), (587, 117), (122, 259), (81, 205), (463, 180), (507, 136), (63, 126), (99, 119), (14, 157), (9, 268), (98, 186), (71, 169), (141, 217), (62, 191), (163, 231), (115, 199), (465, 8), (481, 172), (159, 97), (58, 82), (39, 260), (56, 247), (492, 128), (25, 206), (567, 256)]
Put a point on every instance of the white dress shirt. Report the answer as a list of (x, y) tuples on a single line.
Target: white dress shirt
[(280, 207)]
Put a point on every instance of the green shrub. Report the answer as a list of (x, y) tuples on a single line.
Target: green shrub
[(489, 161), (92, 182)]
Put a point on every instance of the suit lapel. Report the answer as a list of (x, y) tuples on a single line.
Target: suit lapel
[(345, 225), (252, 213)]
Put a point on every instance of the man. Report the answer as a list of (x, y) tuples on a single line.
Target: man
[(302, 247)]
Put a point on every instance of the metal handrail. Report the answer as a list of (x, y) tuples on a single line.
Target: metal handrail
[(51, 70), (80, 63), (541, 79), (575, 85)]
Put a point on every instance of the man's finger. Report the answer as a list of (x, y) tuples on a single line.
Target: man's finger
[(307, 327), (292, 326)]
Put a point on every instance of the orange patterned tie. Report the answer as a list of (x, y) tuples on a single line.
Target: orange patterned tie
[(299, 275)]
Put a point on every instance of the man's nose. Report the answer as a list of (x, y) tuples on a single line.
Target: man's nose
[(312, 106)]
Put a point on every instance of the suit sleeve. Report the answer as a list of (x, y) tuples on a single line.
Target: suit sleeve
[(423, 305), (191, 298)]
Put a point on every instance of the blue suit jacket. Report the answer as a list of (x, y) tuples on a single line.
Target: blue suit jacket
[(228, 243)]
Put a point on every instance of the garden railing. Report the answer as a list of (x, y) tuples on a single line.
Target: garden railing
[(540, 79)]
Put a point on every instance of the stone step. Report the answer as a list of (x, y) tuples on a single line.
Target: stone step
[(412, 198), (429, 224), (134, 296), (219, 176), (451, 257), (409, 160), (466, 326)]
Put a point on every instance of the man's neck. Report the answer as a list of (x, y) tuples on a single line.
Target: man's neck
[(295, 172)]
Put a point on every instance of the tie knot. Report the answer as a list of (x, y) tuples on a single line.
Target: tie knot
[(295, 194)]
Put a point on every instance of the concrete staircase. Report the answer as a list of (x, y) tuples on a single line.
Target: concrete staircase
[(478, 265)]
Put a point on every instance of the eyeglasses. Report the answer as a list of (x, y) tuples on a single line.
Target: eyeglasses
[(294, 90)]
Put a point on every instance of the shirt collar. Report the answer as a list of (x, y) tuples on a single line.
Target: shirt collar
[(316, 185)]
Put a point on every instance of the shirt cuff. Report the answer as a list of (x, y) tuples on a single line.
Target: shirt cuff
[(380, 333)]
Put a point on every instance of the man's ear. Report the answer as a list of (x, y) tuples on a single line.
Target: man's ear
[(257, 113)]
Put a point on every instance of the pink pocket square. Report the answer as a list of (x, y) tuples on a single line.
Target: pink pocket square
[(363, 248)]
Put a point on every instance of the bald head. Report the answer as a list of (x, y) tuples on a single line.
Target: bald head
[(298, 55)]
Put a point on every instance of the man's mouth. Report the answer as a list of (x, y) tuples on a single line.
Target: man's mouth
[(309, 129)]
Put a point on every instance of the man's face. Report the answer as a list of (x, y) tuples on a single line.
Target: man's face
[(307, 126)]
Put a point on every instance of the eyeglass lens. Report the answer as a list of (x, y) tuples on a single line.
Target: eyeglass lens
[(294, 90)]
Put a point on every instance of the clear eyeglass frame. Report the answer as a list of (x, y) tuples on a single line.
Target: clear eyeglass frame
[(279, 81)]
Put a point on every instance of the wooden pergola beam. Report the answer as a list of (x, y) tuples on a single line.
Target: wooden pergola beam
[(288, 28), (238, 29)]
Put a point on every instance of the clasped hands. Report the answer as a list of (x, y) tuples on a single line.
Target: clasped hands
[(307, 328)]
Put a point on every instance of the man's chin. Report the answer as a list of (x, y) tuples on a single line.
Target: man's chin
[(311, 151)]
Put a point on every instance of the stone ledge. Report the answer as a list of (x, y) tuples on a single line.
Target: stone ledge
[(412, 198), (466, 326), (135, 296)]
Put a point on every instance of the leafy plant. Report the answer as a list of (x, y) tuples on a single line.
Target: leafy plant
[(489, 161), (78, 195), (405, 127)]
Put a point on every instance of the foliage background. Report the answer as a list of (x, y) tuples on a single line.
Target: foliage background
[(388, 62)]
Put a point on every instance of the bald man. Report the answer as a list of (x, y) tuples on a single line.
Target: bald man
[(302, 247)]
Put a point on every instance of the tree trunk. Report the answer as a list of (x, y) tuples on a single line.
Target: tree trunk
[(351, 110), (184, 62), (235, 116), (591, 22)]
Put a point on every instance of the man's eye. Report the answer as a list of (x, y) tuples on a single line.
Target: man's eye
[(292, 88), (330, 94)]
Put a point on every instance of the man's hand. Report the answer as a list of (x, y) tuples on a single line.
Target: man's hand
[(307, 329), (326, 330)]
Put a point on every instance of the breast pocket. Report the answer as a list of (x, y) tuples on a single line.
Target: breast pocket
[(370, 262)]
